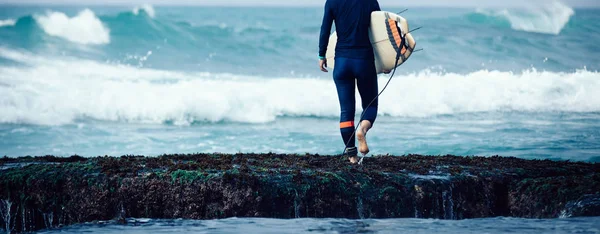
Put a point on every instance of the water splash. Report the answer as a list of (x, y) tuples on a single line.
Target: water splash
[(84, 28), (564, 214), (139, 58), (6, 212), (418, 197), (296, 204), (146, 8), (24, 220), (549, 17), (48, 219), (448, 203), (360, 208)]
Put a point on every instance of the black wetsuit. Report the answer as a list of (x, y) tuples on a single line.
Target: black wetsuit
[(354, 59)]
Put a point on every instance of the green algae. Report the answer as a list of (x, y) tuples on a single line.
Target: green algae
[(186, 176), (336, 176)]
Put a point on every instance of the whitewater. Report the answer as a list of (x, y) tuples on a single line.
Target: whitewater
[(150, 80), (50, 92)]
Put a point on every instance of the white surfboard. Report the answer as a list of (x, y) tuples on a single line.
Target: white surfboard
[(386, 33)]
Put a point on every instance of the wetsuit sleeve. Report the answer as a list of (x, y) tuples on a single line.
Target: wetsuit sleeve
[(325, 29), (376, 6)]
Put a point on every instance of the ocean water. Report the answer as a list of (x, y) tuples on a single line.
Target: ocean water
[(150, 80), (262, 225)]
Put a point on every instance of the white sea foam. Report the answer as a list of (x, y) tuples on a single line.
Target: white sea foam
[(548, 17), (51, 91), (84, 28), (145, 7), (429, 177), (7, 22)]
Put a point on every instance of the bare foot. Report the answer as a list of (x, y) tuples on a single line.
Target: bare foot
[(353, 159), (351, 152), (361, 135)]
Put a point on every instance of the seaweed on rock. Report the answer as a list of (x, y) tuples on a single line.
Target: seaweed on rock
[(48, 192)]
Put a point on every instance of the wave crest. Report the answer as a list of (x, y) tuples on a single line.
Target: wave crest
[(147, 8), (546, 17), (50, 92), (7, 22), (84, 28)]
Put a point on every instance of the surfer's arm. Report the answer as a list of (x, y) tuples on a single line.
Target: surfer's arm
[(376, 7), (325, 29)]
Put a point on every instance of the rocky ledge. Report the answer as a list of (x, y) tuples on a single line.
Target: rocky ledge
[(48, 192)]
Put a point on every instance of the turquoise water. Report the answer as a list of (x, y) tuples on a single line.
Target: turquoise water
[(254, 225), (152, 80)]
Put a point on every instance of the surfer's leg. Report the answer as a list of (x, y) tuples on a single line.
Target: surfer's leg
[(367, 87), (344, 83)]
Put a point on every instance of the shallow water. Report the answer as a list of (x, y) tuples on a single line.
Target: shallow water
[(307, 225), (572, 136)]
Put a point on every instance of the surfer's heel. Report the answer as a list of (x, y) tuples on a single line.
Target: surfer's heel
[(351, 154)]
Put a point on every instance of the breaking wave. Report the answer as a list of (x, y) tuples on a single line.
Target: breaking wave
[(84, 28), (547, 17), (49, 92), (147, 8), (7, 22)]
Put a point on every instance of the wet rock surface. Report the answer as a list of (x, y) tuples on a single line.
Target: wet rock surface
[(588, 205), (48, 192)]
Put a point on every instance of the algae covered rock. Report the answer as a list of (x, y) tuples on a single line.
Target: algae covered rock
[(48, 192)]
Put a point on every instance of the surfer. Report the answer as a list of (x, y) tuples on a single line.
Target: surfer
[(354, 61)]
